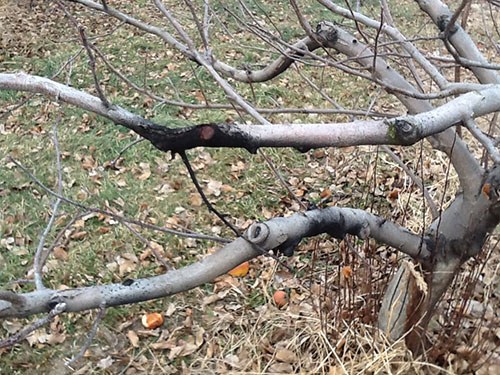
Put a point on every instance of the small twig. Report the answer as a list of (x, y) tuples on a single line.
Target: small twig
[(374, 66), (135, 233), (387, 13), (59, 308), (92, 333), (483, 139), (198, 25), (356, 22), (415, 179), (450, 29), (274, 169), (203, 196), (20, 282), (148, 246), (491, 129), (304, 23), (202, 90), (37, 264), (86, 44), (94, 37), (281, 179), (122, 151), (61, 233), (362, 258), (187, 234), (206, 22), (451, 23)]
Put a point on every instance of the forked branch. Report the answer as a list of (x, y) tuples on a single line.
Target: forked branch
[(283, 234)]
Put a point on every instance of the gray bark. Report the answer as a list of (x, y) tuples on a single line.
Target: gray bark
[(283, 234)]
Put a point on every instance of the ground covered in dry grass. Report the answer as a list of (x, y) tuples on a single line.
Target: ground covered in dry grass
[(233, 325)]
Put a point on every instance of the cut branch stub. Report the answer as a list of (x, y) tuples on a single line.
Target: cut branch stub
[(327, 34), (404, 132), (257, 233)]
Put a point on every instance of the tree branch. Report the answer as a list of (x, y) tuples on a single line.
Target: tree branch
[(283, 234), (460, 40), (403, 130)]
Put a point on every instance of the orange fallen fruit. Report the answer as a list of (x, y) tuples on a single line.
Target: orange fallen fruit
[(241, 270), (280, 298), (152, 321)]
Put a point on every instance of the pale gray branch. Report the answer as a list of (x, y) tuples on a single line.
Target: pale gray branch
[(279, 233)]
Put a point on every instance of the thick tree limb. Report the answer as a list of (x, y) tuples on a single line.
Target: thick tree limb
[(269, 72), (466, 166), (284, 234), (460, 40), (403, 130)]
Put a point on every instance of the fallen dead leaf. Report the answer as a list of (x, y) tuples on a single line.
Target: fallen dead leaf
[(240, 270), (78, 235), (286, 355), (152, 321), (60, 253), (347, 271)]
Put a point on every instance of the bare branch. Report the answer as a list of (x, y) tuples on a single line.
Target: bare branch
[(100, 315), (187, 233), (460, 40), (284, 234), (56, 310), (252, 137)]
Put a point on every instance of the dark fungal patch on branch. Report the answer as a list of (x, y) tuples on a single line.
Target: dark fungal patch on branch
[(182, 139)]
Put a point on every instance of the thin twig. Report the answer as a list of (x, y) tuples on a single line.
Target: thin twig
[(122, 151), (483, 139), (61, 233), (375, 48), (135, 233), (87, 45), (92, 333), (281, 179), (187, 234), (358, 27), (210, 207), (14, 339), (37, 264), (415, 179)]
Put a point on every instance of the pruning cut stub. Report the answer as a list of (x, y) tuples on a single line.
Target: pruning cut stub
[(406, 132), (206, 132), (257, 233), (327, 33), (443, 21)]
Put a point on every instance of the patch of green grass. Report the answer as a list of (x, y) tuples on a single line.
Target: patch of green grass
[(25, 208)]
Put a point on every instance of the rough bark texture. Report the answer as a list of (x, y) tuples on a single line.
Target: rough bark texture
[(283, 234)]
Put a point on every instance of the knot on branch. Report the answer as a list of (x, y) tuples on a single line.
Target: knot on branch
[(442, 24), (56, 300), (327, 33), (404, 132), (257, 233)]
